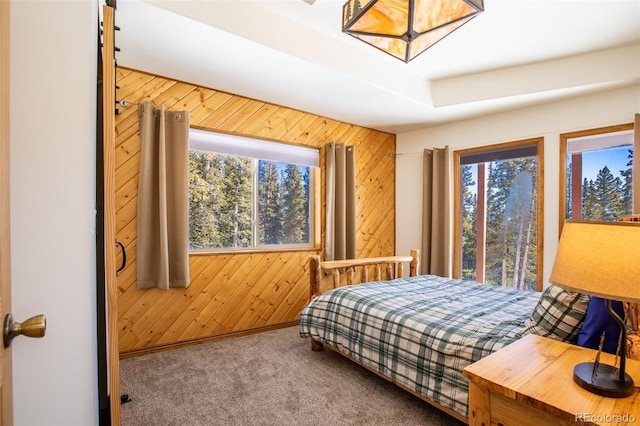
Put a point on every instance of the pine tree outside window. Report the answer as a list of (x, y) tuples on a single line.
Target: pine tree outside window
[(498, 214), (596, 174), (251, 194)]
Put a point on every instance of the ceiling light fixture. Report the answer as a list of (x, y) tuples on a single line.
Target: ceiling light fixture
[(406, 28)]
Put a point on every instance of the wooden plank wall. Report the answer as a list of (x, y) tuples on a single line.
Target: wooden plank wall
[(231, 293)]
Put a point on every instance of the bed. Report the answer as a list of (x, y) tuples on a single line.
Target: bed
[(418, 332)]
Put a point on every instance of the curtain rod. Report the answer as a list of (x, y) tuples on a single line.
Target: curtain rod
[(124, 103), (395, 154)]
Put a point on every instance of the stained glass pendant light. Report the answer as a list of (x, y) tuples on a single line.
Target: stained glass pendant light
[(406, 28)]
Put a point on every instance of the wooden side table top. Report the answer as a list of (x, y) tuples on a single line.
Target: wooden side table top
[(538, 372)]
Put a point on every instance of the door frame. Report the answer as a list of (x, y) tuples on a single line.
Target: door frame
[(108, 187), (6, 378)]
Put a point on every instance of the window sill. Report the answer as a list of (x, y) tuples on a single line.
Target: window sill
[(253, 250)]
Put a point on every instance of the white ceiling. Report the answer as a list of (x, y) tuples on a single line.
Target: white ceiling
[(287, 52)]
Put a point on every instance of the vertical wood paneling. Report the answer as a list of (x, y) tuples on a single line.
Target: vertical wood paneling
[(109, 207), (242, 291)]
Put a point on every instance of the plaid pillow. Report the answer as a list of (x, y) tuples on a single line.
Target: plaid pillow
[(559, 315)]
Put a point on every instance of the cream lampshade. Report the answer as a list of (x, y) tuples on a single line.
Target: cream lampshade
[(601, 259)]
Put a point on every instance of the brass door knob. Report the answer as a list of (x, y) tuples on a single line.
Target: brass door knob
[(33, 327)]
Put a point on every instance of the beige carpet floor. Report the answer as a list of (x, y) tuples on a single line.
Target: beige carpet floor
[(270, 378)]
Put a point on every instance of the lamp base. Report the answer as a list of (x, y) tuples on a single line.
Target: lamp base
[(606, 381)]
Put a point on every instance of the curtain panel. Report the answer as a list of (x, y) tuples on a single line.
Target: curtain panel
[(163, 198), (436, 213), (340, 238)]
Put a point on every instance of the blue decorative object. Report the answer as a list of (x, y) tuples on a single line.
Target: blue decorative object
[(598, 320)]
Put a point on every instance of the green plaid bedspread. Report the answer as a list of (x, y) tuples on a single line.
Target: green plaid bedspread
[(422, 331)]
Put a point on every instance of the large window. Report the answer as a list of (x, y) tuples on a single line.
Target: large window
[(596, 180), (498, 214), (250, 194)]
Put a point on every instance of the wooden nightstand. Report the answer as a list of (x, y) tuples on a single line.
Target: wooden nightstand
[(531, 382)]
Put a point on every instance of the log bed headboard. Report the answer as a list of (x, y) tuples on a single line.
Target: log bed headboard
[(393, 266)]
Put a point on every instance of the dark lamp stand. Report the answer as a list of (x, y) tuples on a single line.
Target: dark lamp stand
[(603, 379)]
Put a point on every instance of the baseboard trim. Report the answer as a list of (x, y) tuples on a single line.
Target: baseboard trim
[(160, 348)]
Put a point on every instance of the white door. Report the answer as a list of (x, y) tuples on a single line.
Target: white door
[(52, 187)]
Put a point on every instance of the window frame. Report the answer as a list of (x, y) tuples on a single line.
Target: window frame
[(458, 202), (314, 197), (564, 140)]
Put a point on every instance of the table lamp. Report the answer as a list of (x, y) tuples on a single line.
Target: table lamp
[(601, 259)]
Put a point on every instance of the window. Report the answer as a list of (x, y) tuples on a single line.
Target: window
[(498, 214), (596, 179), (250, 194)]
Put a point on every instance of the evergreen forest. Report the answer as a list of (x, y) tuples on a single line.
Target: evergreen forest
[(607, 197), (511, 229), (238, 202)]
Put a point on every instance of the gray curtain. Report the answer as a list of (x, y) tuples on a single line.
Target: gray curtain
[(340, 238), (163, 198), (436, 213)]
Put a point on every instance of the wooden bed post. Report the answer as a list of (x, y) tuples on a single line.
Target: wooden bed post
[(315, 276), (364, 275), (315, 279), (336, 278), (414, 265)]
